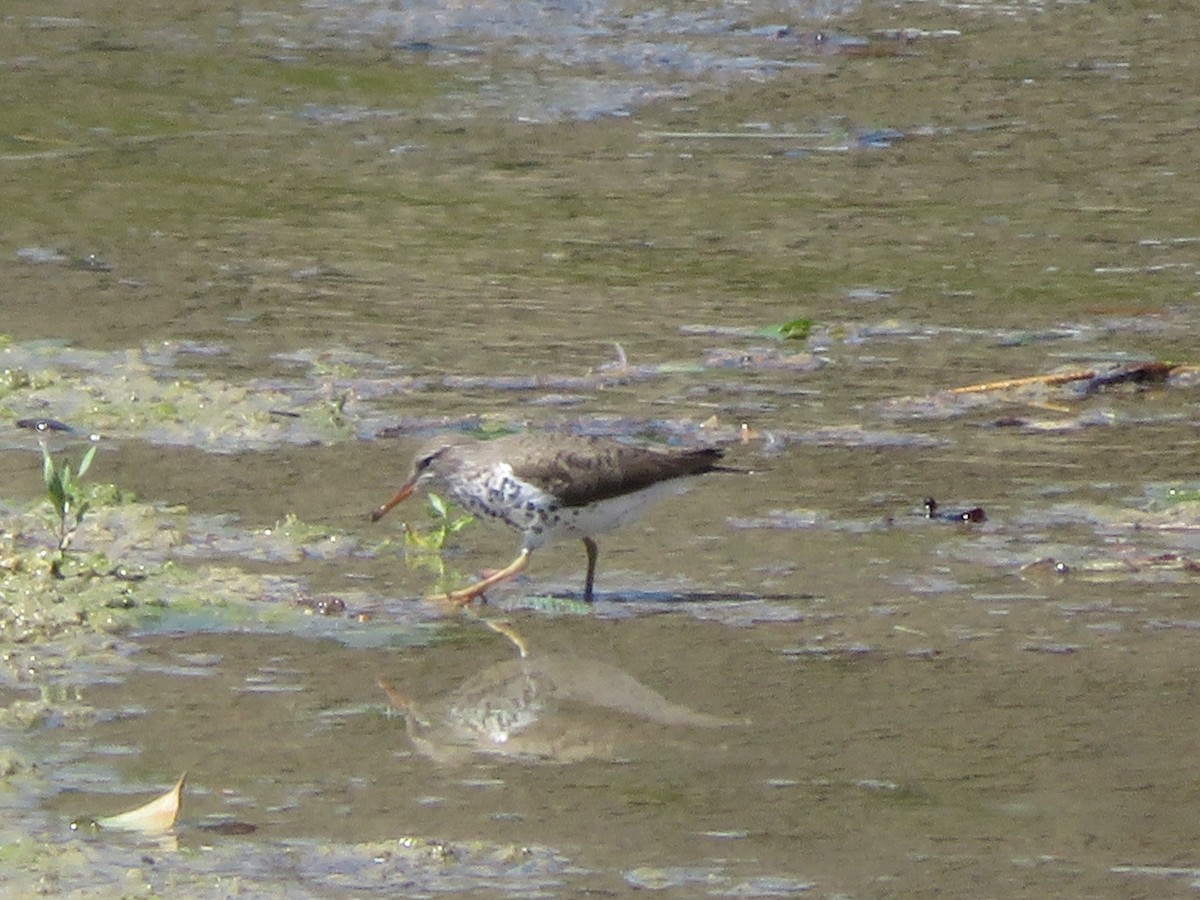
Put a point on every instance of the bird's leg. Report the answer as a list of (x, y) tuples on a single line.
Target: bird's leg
[(465, 595), (592, 552)]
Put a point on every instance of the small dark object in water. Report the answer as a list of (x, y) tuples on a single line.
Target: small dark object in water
[(91, 263), (830, 43), (44, 425), (430, 47), (880, 138), (125, 573), (1138, 373), (1047, 565), (324, 606), (229, 828), (974, 514), (823, 41)]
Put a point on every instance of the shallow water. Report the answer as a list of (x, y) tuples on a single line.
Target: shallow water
[(261, 253)]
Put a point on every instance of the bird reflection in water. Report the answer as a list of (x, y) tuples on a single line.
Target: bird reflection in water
[(539, 707)]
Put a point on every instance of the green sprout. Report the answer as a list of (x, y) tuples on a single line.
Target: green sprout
[(423, 547), (432, 539), (67, 503)]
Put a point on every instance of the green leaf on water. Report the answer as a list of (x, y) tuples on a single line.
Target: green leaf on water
[(795, 330)]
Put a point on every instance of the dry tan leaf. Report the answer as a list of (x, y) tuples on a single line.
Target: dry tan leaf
[(155, 817)]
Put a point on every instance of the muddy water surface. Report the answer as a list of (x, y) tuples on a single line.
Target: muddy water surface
[(260, 253)]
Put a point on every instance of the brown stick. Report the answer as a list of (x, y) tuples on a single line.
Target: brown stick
[(1151, 371), (1050, 379)]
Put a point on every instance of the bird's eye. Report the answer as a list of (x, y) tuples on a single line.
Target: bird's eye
[(426, 461)]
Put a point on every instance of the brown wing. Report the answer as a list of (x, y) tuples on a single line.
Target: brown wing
[(584, 470)]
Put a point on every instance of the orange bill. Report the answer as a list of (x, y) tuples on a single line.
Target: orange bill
[(401, 495)]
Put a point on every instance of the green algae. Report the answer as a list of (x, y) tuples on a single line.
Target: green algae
[(127, 572), (134, 394)]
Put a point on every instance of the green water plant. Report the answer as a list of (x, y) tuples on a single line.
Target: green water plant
[(423, 546), (798, 329), (68, 505), (794, 330), (444, 523)]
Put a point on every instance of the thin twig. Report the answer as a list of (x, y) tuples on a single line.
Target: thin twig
[(1138, 372)]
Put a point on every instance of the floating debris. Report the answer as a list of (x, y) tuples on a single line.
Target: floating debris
[(1031, 390), (1092, 379), (156, 817), (762, 358), (91, 263), (44, 425), (849, 650), (228, 828), (974, 514), (1046, 566), (1053, 648)]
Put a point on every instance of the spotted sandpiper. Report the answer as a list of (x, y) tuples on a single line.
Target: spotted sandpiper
[(550, 487)]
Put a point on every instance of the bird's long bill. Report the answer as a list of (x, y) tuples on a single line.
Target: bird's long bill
[(401, 495)]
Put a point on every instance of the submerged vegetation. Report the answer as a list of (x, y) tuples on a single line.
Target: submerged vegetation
[(90, 558), (423, 546)]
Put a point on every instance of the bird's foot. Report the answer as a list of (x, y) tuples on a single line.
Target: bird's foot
[(459, 598), (465, 595)]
